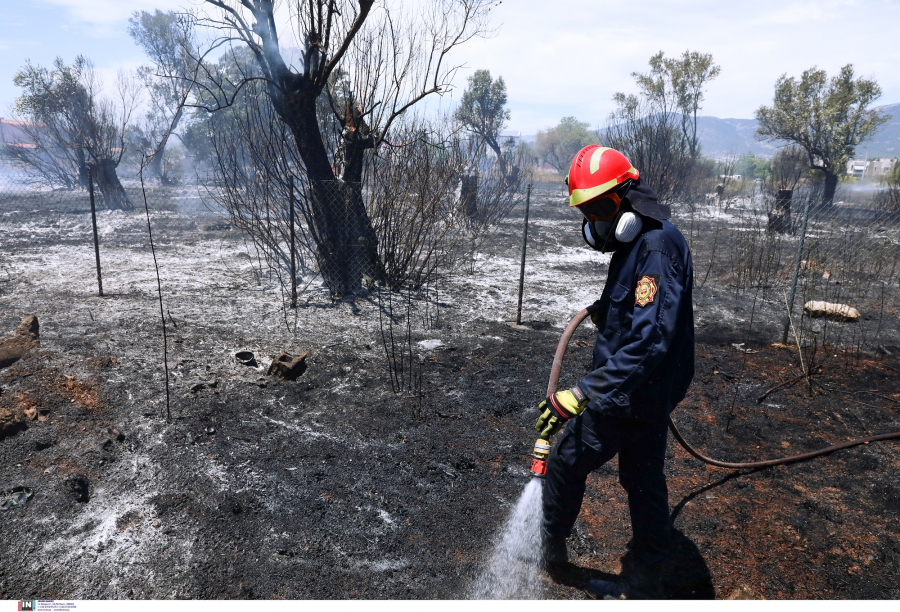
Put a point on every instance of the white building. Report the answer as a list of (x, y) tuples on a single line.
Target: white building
[(857, 168), (875, 168), (881, 167)]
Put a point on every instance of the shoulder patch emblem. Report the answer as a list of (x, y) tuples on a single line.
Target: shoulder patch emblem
[(646, 289)]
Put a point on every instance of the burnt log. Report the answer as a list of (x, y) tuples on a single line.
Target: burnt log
[(831, 311)]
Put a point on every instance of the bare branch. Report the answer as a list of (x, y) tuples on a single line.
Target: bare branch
[(364, 7)]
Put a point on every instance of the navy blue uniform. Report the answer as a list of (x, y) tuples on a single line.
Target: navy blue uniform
[(643, 365)]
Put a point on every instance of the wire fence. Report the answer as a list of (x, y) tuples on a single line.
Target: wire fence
[(325, 234), (38, 218), (822, 276), (297, 234), (818, 276)]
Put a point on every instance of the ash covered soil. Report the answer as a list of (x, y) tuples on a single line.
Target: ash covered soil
[(334, 486)]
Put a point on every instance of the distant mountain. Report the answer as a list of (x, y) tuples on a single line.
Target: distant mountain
[(886, 142), (721, 137), (725, 137)]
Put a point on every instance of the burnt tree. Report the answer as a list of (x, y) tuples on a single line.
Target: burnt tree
[(386, 64), (788, 167), (780, 215), (72, 127)]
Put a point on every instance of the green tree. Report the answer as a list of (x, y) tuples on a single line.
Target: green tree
[(894, 176), (483, 112), (558, 145), (750, 166), (679, 84), (888, 197), (828, 118), (220, 79)]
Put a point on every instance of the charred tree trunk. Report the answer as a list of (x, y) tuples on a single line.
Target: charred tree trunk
[(498, 151), (109, 186), (468, 192), (346, 248), (82, 167), (346, 245), (362, 262), (155, 167), (156, 162), (780, 215), (512, 176), (831, 181)]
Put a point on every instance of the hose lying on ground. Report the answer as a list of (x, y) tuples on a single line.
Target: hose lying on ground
[(554, 381)]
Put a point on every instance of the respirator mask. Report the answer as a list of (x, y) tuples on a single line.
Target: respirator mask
[(607, 236), (607, 224)]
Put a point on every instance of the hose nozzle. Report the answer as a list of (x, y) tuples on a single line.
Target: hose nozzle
[(541, 452)]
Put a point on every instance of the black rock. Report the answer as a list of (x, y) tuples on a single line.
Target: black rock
[(79, 487)]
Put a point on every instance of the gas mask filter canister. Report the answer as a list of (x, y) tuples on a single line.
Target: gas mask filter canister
[(629, 227)]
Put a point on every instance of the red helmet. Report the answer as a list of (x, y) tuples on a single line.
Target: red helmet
[(596, 170)]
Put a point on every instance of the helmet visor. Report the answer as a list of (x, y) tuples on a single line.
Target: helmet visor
[(603, 208)]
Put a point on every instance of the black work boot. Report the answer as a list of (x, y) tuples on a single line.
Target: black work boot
[(553, 551), (638, 583)]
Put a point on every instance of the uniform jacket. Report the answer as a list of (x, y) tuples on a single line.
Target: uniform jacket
[(644, 353)]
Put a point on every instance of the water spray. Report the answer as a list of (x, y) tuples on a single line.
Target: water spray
[(512, 571)]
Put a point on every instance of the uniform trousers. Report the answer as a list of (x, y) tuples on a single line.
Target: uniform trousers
[(592, 439)]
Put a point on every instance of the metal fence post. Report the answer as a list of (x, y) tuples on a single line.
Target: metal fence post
[(94, 223), (293, 253), (524, 246), (790, 304)]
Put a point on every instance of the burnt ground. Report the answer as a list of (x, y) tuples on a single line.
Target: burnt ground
[(334, 486)]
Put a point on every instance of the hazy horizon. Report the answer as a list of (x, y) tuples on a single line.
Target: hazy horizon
[(567, 59)]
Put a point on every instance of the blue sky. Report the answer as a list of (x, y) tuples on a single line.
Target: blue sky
[(565, 57)]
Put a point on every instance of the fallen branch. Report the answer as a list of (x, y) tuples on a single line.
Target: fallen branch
[(832, 390), (882, 396), (786, 384)]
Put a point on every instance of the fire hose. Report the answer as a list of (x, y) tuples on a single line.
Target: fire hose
[(542, 453)]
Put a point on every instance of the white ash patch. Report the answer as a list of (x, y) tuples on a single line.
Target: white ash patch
[(96, 545), (383, 565), (430, 345), (548, 294), (386, 517)]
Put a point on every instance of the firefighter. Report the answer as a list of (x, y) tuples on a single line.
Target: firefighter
[(643, 362)]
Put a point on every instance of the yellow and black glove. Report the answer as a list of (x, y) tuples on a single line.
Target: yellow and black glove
[(559, 408)]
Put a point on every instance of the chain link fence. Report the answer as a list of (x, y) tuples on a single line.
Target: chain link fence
[(823, 275), (38, 218), (820, 276), (327, 235)]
